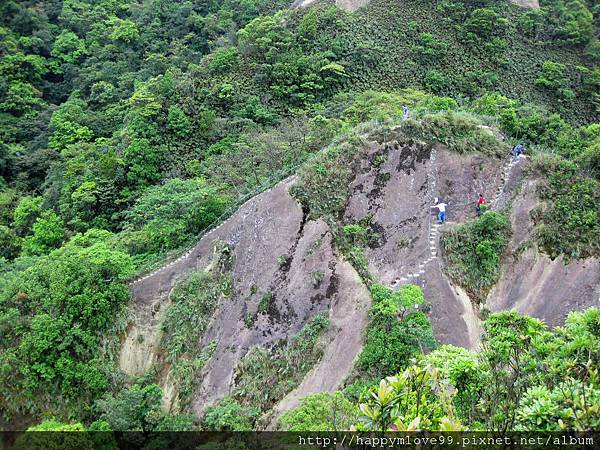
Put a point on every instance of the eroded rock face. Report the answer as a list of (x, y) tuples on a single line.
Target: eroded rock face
[(527, 3), (346, 5), (531, 282), (396, 186), (277, 251)]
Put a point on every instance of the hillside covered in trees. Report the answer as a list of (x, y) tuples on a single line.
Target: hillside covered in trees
[(129, 129)]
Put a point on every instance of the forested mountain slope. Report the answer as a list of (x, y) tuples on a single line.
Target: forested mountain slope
[(130, 129)]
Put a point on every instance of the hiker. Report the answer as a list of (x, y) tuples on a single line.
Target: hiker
[(480, 202), (517, 150), (405, 108), (441, 206)]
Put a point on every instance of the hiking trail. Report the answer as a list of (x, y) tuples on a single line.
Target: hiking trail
[(434, 228)]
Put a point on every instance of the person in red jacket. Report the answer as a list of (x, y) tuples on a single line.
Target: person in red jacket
[(480, 202)]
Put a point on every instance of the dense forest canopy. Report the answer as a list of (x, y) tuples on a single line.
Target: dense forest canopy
[(127, 127)]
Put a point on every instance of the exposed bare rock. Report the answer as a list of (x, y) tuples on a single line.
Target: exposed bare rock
[(531, 282), (527, 3), (348, 316), (277, 251), (274, 252), (347, 5), (351, 5), (398, 193)]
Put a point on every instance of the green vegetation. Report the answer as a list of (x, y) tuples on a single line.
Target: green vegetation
[(193, 302), (323, 186), (128, 128), (473, 251), (396, 332), (139, 408), (229, 415), (459, 132), (320, 412), (526, 378), (568, 218), (55, 309)]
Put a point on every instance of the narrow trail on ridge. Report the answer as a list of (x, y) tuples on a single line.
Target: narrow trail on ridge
[(329, 373), (470, 313), (434, 228)]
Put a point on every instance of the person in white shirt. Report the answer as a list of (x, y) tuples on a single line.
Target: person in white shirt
[(441, 206)]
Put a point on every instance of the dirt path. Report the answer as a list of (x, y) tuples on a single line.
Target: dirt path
[(348, 317)]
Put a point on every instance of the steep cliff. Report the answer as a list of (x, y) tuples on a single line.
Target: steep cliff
[(279, 253)]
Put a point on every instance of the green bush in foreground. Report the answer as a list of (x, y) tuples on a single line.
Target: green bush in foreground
[(525, 377), (320, 412)]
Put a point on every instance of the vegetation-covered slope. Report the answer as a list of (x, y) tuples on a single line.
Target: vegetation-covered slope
[(128, 127)]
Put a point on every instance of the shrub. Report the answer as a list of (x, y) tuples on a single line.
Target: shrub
[(229, 415), (552, 76), (320, 412), (472, 252), (419, 398), (48, 233), (391, 343), (389, 303), (567, 224), (166, 216)]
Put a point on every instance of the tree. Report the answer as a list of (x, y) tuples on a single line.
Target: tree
[(66, 301), (417, 399), (485, 22), (68, 47), (168, 215), (25, 214), (67, 127), (48, 233), (143, 161), (178, 122), (229, 415), (133, 409), (570, 21)]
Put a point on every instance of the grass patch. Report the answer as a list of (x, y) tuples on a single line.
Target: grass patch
[(472, 253), (194, 301), (264, 303), (322, 187), (459, 132)]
